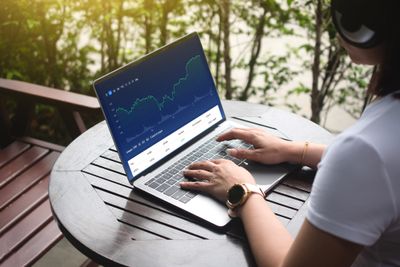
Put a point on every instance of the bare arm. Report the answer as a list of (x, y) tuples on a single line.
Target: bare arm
[(272, 245), (312, 153)]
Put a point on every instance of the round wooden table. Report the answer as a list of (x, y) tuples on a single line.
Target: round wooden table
[(101, 214)]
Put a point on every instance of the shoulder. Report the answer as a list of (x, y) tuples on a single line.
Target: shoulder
[(348, 153), (350, 196)]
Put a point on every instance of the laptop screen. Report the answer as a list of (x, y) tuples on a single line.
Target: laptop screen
[(155, 105)]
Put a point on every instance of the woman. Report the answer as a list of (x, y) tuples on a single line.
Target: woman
[(354, 213)]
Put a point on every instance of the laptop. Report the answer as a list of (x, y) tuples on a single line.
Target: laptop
[(164, 112)]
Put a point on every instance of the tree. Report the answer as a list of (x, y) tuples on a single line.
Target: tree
[(330, 67), (70, 43)]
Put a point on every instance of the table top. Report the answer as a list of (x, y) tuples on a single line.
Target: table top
[(102, 216)]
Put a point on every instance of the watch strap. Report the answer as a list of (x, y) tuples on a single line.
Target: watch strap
[(248, 189), (253, 188)]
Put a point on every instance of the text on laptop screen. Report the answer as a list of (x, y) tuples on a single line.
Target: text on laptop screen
[(158, 103)]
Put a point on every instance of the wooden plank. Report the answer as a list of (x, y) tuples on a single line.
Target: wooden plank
[(35, 247), (299, 184), (292, 192), (143, 229), (285, 200), (27, 179), (25, 229), (282, 210), (24, 204), (160, 217), (20, 164), (109, 164), (107, 175), (12, 151), (111, 155), (126, 192)]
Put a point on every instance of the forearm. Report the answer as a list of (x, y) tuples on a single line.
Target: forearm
[(310, 155), (269, 240)]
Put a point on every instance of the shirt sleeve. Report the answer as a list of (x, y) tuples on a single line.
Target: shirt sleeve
[(350, 197)]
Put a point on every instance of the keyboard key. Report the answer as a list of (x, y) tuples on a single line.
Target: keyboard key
[(162, 188), (171, 181), (150, 181), (154, 185), (161, 180), (179, 193), (171, 190), (185, 199), (190, 194)]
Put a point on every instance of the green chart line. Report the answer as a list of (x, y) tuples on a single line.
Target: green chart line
[(160, 104)]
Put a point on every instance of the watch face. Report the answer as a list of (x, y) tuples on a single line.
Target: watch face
[(235, 194)]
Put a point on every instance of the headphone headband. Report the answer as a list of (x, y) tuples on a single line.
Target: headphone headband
[(362, 23)]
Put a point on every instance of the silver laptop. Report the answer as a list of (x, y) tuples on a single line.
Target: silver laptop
[(163, 112)]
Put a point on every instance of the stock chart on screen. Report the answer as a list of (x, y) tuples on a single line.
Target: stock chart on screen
[(148, 100)]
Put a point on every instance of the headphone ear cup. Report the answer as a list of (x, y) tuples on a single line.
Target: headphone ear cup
[(352, 26), (360, 36)]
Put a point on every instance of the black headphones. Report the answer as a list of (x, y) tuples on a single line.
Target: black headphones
[(362, 23)]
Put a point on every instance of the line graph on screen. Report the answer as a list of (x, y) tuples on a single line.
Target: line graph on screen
[(148, 112)]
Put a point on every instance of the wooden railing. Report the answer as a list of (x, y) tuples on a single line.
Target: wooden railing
[(70, 106)]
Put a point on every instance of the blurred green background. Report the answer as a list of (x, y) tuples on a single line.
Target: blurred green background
[(277, 52)]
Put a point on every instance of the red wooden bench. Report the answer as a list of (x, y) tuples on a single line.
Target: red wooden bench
[(27, 229)]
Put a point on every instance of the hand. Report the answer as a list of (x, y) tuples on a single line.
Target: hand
[(268, 149), (215, 177)]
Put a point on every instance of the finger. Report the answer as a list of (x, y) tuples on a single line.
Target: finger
[(246, 135), (198, 186), (202, 165), (242, 153), (229, 135), (219, 161), (198, 174)]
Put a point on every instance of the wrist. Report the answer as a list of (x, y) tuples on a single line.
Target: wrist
[(238, 195), (295, 152)]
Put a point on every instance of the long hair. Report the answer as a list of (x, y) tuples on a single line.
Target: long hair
[(386, 76)]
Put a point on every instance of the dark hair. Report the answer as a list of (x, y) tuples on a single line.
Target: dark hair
[(386, 76)]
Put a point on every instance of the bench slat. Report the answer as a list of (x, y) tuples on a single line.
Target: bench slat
[(20, 164), (12, 151), (36, 247), (25, 229), (27, 179), (24, 204)]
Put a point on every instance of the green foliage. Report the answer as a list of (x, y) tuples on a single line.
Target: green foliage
[(66, 44)]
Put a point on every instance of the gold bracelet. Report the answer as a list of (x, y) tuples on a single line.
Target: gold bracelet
[(303, 154)]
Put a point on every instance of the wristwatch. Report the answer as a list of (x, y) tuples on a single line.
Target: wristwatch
[(239, 193)]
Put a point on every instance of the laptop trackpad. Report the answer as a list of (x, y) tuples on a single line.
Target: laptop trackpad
[(269, 174)]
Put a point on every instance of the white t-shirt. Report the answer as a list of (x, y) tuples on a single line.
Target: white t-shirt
[(356, 192)]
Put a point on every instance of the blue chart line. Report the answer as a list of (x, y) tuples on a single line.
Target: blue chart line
[(166, 98)]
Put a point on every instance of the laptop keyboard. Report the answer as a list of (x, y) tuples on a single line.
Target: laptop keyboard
[(167, 182)]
